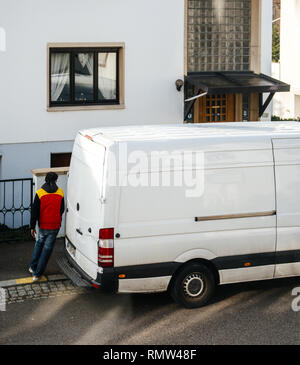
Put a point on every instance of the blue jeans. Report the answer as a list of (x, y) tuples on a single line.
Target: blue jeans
[(42, 250)]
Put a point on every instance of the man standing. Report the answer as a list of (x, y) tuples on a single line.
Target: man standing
[(47, 210)]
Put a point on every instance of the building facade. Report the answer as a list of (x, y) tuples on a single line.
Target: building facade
[(111, 63), (229, 39), (148, 37)]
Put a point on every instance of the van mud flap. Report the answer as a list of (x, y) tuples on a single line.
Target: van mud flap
[(71, 273)]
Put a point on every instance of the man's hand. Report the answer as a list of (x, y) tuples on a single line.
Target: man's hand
[(33, 232)]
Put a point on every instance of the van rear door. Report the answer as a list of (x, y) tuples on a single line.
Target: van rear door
[(84, 204)]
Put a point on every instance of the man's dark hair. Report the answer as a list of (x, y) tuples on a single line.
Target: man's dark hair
[(51, 177)]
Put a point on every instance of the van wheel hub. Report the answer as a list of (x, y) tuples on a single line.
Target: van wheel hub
[(193, 285)]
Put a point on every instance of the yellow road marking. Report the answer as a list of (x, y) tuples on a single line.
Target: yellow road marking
[(29, 280)]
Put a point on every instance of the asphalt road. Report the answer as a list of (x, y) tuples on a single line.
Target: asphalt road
[(251, 313)]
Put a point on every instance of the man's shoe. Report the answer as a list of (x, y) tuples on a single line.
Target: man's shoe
[(30, 270), (35, 278)]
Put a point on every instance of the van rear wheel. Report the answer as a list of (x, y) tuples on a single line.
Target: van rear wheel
[(193, 286)]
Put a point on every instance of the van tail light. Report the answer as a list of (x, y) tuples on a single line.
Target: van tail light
[(106, 247)]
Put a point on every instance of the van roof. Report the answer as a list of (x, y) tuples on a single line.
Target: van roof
[(155, 132)]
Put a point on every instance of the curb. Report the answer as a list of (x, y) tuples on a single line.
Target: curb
[(28, 280)]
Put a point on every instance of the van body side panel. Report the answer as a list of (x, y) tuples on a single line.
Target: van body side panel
[(157, 224), (231, 276), (241, 212), (144, 285), (287, 176)]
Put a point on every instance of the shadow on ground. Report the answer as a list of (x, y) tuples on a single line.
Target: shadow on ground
[(249, 313), (15, 258)]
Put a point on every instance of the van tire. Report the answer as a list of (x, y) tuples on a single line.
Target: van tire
[(193, 286)]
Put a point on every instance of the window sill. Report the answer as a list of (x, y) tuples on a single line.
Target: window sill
[(84, 107)]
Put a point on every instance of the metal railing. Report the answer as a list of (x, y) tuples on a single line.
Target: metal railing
[(15, 202)]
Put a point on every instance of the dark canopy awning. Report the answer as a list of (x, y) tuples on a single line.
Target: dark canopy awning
[(233, 82)]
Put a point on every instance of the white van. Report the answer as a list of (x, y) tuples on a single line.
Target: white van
[(128, 232)]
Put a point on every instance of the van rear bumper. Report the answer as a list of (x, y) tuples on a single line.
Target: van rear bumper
[(107, 280)]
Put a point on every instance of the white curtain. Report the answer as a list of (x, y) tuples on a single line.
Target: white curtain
[(90, 63), (59, 74), (86, 59), (107, 75)]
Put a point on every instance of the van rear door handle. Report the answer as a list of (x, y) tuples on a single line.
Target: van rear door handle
[(78, 231)]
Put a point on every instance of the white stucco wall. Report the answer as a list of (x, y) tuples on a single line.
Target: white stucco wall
[(153, 32), (286, 104), (266, 36), (18, 159), (289, 42), (266, 47)]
